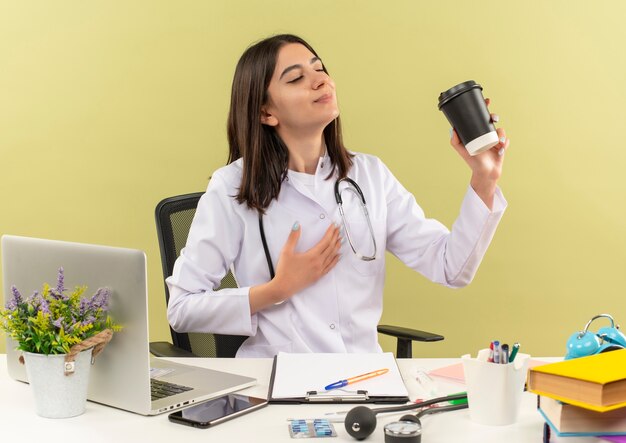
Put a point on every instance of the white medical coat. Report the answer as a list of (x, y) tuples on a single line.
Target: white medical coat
[(340, 312)]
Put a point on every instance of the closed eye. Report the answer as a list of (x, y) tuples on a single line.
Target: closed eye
[(295, 80)]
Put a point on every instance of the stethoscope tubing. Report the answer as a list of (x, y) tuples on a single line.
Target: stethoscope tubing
[(356, 189)]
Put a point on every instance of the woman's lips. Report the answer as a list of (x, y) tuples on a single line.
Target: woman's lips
[(324, 98)]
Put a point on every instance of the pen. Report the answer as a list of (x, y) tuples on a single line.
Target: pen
[(348, 381), (496, 351), (514, 352), (505, 354)]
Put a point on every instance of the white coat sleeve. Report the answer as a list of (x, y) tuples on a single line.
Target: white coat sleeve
[(450, 258), (212, 245)]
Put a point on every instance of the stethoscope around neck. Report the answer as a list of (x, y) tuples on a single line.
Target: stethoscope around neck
[(355, 189), (351, 186)]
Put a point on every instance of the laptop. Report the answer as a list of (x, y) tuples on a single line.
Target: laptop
[(124, 372)]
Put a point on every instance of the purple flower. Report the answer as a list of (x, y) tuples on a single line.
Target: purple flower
[(54, 294), (58, 322), (83, 307), (44, 306), (14, 301), (100, 299), (16, 294), (60, 281), (89, 320), (35, 300)]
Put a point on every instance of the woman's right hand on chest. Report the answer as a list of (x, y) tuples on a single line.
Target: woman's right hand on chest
[(298, 270)]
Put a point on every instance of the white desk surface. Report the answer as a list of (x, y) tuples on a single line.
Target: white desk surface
[(105, 424)]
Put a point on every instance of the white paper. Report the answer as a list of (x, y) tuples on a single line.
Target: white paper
[(297, 374)]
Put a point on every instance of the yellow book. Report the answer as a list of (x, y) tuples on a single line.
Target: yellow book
[(597, 382)]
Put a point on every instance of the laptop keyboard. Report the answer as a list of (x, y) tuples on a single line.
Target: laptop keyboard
[(161, 389)]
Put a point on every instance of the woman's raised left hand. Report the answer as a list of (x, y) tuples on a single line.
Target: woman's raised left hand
[(487, 166)]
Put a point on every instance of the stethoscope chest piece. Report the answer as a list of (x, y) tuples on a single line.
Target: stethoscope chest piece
[(403, 431)]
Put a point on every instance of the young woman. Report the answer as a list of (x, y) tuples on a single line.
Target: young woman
[(320, 287)]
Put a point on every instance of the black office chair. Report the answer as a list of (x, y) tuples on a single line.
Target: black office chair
[(173, 218)]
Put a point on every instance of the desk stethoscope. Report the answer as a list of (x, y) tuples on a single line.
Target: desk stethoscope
[(353, 187)]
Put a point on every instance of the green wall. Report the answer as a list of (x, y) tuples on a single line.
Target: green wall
[(108, 107)]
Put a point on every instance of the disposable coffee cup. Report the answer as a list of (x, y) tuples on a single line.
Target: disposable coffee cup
[(494, 391), (466, 110)]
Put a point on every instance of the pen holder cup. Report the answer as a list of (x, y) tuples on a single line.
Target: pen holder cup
[(494, 391)]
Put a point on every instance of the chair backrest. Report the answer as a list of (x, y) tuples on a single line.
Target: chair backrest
[(173, 219)]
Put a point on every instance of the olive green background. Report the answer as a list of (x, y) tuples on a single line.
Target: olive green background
[(108, 107)]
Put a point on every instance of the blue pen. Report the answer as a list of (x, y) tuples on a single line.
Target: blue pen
[(348, 381)]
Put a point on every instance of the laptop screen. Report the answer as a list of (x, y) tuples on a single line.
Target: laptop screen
[(120, 375)]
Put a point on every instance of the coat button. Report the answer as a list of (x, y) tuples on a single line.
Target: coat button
[(322, 216), (332, 326)]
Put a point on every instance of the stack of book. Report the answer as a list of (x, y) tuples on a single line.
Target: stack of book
[(583, 396)]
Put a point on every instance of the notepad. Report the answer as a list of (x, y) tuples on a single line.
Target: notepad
[(451, 372), (302, 378), (455, 372)]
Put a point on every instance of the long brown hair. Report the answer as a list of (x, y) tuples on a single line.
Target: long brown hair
[(265, 155)]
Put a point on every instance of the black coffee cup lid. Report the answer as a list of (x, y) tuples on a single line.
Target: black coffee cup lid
[(457, 90)]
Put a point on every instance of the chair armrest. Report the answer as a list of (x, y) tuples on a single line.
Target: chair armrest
[(166, 349), (405, 336), (411, 334)]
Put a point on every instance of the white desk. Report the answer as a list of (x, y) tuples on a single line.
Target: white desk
[(104, 424)]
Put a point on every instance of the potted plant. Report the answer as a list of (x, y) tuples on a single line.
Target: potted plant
[(59, 333)]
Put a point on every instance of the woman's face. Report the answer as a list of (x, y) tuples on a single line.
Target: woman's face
[(301, 96)]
